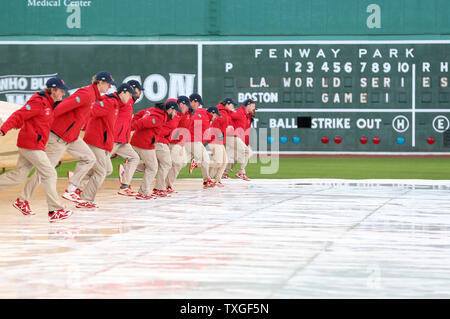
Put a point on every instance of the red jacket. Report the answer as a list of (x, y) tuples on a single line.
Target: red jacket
[(180, 134), (167, 129), (224, 112), (146, 125), (122, 129), (71, 115), (240, 123), (216, 134), (34, 120), (249, 125), (199, 124), (100, 127)]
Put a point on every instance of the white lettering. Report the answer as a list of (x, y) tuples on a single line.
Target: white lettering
[(228, 66), (181, 84), (374, 19), (152, 82), (73, 20)]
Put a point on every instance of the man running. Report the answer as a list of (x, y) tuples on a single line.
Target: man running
[(195, 148), (99, 137), (34, 121), (122, 148)]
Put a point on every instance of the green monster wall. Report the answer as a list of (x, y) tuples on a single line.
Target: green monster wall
[(155, 18)]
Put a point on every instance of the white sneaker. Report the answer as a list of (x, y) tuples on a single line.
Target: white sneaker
[(127, 192), (73, 196)]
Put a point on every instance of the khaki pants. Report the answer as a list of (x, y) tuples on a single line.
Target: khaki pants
[(179, 160), (46, 170), (220, 159), (230, 165), (148, 165), (237, 152), (127, 152), (97, 174), (55, 149), (198, 151), (164, 165)]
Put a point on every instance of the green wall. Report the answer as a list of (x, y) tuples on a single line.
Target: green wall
[(195, 18)]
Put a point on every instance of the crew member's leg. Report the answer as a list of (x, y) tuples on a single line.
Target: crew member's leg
[(150, 165)]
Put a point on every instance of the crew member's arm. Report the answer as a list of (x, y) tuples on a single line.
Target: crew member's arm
[(146, 122), (102, 108), (71, 102), (17, 119)]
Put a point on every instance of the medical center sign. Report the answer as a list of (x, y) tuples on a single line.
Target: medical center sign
[(73, 8)]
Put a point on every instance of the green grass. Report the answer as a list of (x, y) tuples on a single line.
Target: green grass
[(346, 168)]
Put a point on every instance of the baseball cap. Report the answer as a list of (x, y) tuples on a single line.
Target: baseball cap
[(135, 85), (196, 97), (125, 87), (172, 105), (213, 109), (184, 99), (105, 76), (228, 100), (249, 101), (56, 83)]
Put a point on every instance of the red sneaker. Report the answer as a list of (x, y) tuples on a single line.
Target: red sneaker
[(193, 166), (170, 190), (208, 184), (23, 207), (127, 192), (242, 176), (159, 193), (219, 184), (145, 197), (59, 214), (73, 196), (225, 176), (86, 204)]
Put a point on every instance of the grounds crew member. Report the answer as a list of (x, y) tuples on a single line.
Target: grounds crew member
[(195, 149), (146, 124), (99, 137), (177, 140), (242, 125), (237, 151), (34, 121), (162, 148), (122, 148), (215, 137)]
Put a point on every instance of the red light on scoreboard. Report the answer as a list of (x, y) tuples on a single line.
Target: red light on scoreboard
[(376, 140), (363, 140), (430, 140), (325, 140), (338, 140)]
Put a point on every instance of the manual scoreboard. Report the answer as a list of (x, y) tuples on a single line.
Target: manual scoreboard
[(378, 96)]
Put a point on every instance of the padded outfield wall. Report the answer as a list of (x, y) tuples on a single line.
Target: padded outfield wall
[(369, 76)]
